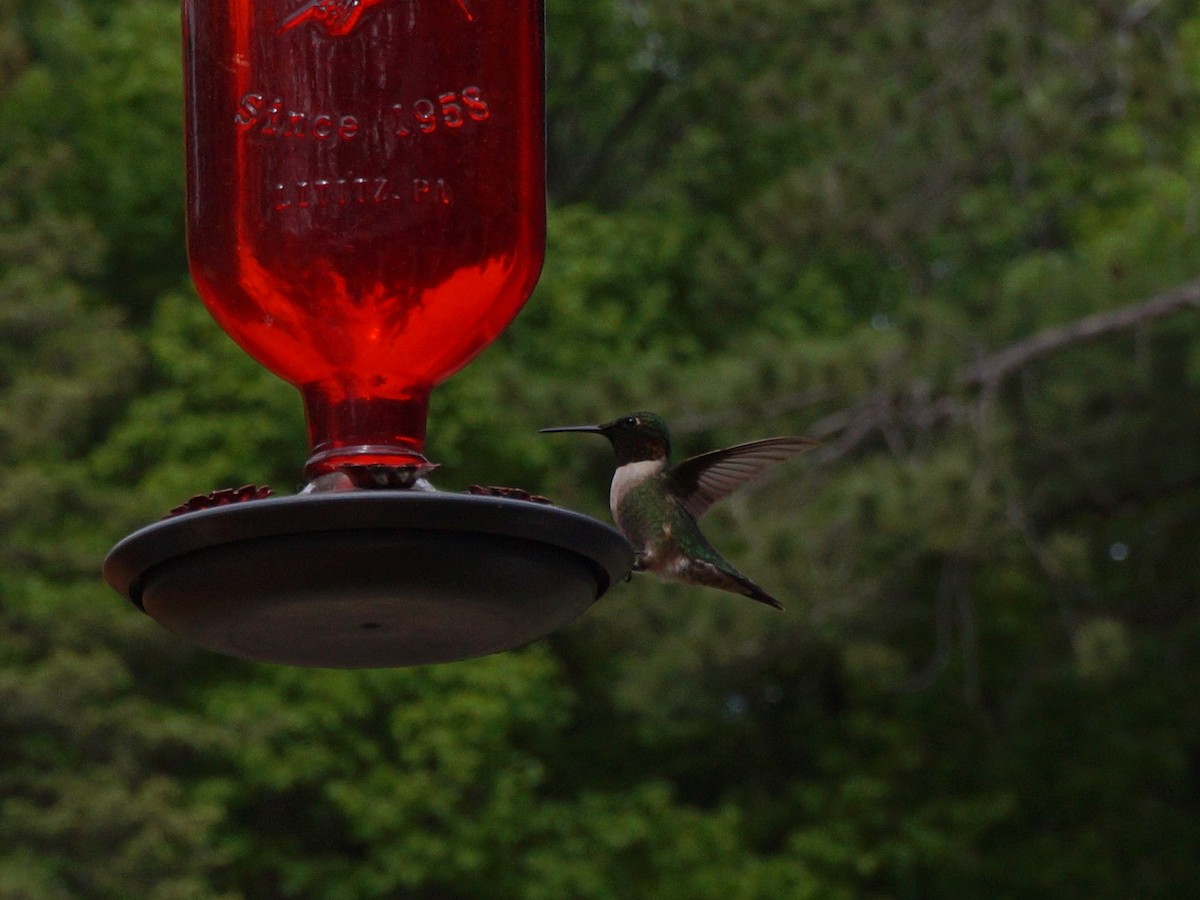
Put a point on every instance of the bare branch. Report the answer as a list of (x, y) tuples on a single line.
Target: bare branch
[(846, 430), (999, 365)]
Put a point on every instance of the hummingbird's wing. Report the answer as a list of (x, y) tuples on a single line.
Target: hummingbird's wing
[(701, 481)]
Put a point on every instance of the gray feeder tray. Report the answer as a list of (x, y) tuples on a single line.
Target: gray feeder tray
[(368, 579)]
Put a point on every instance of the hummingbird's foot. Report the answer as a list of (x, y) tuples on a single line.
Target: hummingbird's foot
[(639, 565)]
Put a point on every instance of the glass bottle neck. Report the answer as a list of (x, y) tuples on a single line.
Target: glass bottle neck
[(347, 428)]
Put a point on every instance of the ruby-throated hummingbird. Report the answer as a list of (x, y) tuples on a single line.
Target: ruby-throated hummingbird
[(656, 506)]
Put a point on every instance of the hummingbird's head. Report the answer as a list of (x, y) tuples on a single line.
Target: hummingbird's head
[(635, 437)]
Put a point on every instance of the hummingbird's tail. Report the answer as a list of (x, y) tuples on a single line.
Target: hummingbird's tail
[(720, 574), (754, 592)]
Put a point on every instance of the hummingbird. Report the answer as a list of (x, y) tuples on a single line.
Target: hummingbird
[(656, 506)]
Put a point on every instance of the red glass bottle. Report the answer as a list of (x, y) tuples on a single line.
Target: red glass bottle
[(366, 197)]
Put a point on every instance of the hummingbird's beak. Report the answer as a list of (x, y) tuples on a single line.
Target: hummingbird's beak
[(590, 429)]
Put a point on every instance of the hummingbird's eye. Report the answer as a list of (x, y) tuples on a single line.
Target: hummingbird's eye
[(631, 421)]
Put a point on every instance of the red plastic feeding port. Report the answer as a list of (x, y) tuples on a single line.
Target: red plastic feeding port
[(366, 197)]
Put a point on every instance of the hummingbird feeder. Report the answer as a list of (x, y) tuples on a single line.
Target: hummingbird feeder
[(366, 212)]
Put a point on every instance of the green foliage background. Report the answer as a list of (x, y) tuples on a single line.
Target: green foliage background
[(768, 216)]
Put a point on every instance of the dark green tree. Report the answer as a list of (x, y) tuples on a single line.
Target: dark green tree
[(957, 244)]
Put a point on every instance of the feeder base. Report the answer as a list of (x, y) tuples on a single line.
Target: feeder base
[(368, 579)]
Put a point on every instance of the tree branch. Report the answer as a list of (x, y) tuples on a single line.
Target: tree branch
[(848, 429), (995, 367)]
